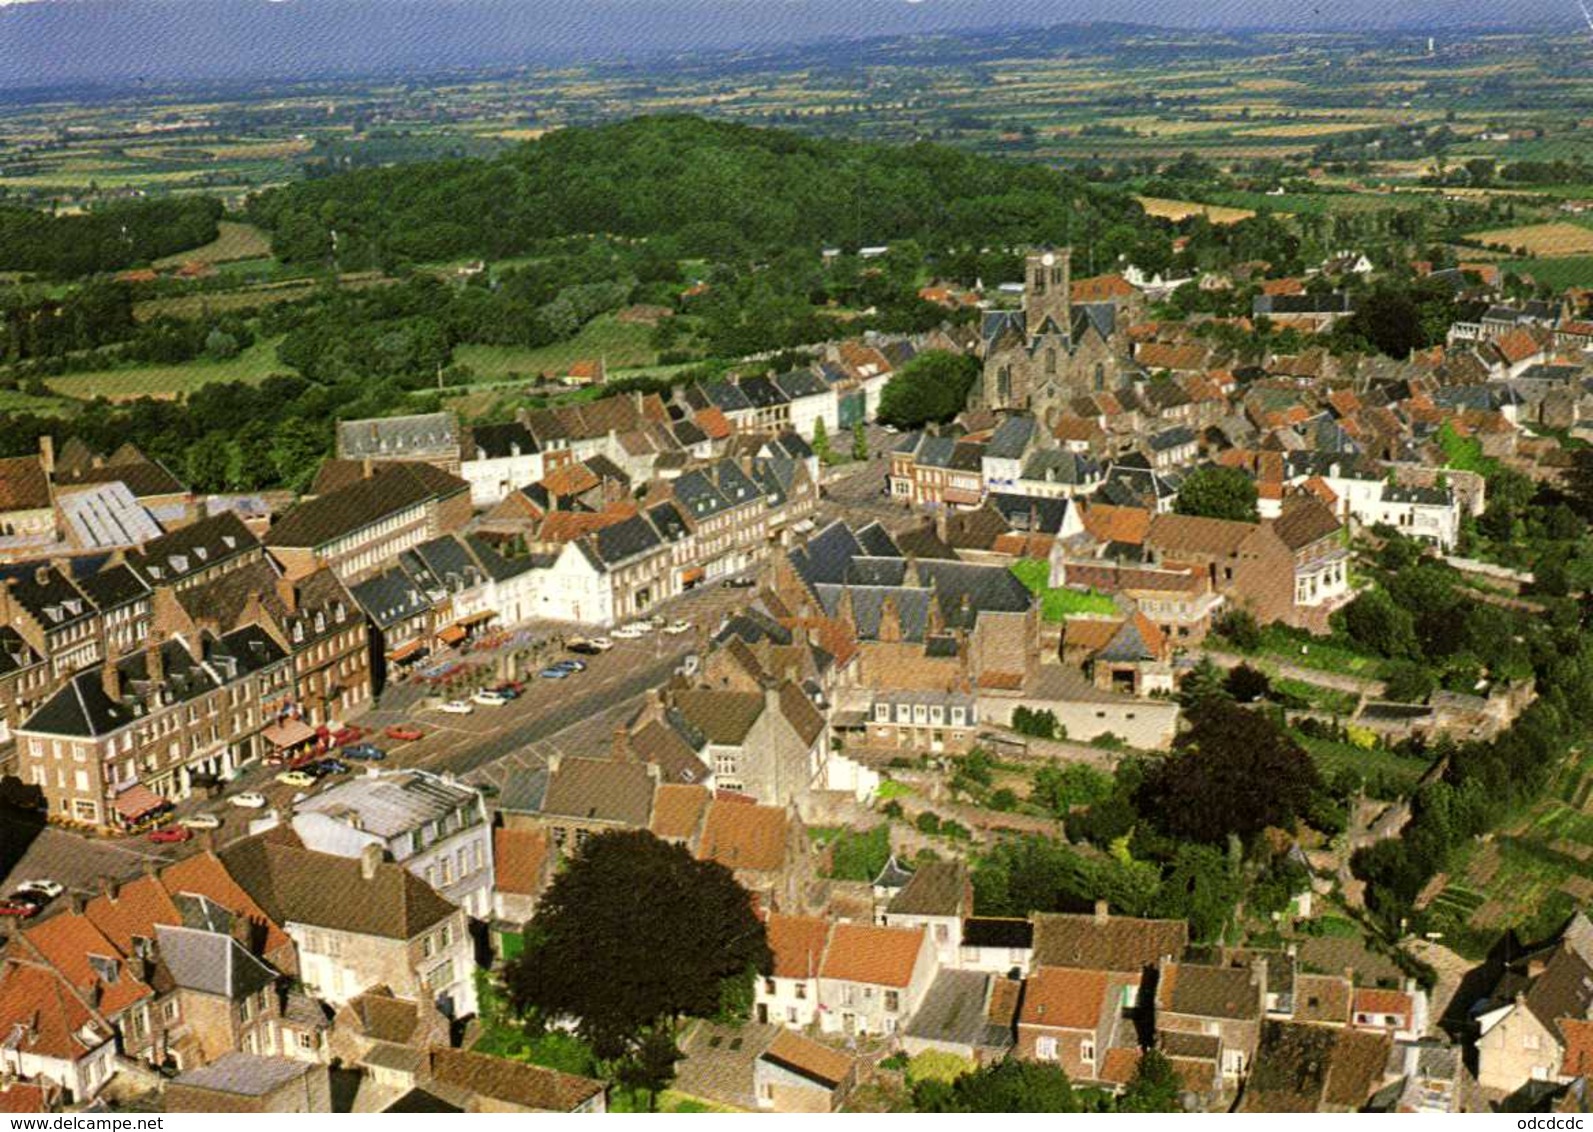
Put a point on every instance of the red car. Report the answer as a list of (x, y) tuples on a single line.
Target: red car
[(171, 835), (346, 736), (404, 732), (21, 909)]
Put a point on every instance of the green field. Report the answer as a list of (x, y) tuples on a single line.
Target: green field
[(15, 401), (621, 345), (235, 242), (1568, 271), (252, 366), (1385, 771), (1060, 603)]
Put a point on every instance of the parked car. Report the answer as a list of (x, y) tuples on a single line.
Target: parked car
[(327, 766), (171, 834), (299, 778), (200, 821), (555, 672), (403, 733), (583, 647), (21, 909), (631, 632), (251, 800), (739, 583), (487, 697), (455, 707), (514, 686), (675, 628), (570, 665), (368, 752), (342, 737), (50, 888), (601, 644), (508, 691)]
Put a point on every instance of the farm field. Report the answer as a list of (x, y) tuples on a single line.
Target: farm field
[(1531, 874), (1551, 240), (1565, 271), (621, 346), (1182, 209), (163, 382), (247, 297), (1385, 773), (236, 241)]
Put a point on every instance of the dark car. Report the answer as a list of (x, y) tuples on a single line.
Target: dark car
[(324, 767), (508, 690), (739, 583), (364, 751), (23, 904), (571, 665), (584, 648)]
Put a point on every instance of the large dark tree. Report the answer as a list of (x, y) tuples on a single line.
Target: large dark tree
[(1233, 772), (932, 387), (1218, 493), (1007, 1086), (635, 930)]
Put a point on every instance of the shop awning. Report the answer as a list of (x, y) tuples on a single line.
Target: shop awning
[(414, 650), (451, 635), (477, 618), (692, 575), (288, 733), (137, 801)]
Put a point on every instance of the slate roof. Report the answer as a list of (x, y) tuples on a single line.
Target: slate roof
[(938, 888), (723, 717), (1011, 438), (113, 587), (512, 1082), (81, 707), (390, 598), (625, 540), (997, 931), (211, 963), (1117, 943), (393, 437), (955, 1011), (1208, 992), (497, 441), (245, 1074), (609, 790), (1305, 520), (296, 885), (392, 487)]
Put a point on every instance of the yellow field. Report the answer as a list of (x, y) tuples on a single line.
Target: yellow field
[(1179, 209), (236, 241), (1556, 239), (1302, 129)]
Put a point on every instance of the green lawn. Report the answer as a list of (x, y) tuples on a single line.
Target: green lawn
[(1059, 603), (251, 367), (1324, 654), (622, 345), (1559, 273), (1385, 772), (15, 401), (1318, 697)]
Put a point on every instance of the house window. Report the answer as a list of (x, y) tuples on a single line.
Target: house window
[(440, 976), (306, 1040), (1087, 1051), (1045, 1049), (959, 716), (768, 986), (892, 1001), (882, 713)]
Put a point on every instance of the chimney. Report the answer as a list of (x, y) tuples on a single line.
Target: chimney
[(1102, 912), (47, 454), (622, 751), (111, 888), (111, 678), (155, 662), (367, 469), (370, 860)]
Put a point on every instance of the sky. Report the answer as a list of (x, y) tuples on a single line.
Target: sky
[(53, 41)]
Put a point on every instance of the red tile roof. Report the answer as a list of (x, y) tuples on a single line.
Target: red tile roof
[(864, 953), (518, 857), (798, 945), (1068, 998), (744, 836)]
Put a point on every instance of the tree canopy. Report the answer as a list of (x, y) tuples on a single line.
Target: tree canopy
[(931, 387), (1233, 772), (1218, 493), (633, 931)]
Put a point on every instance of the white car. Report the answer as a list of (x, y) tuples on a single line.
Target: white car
[(455, 707), (675, 628), (49, 888), (200, 821), (601, 644), (631, 632), (248, 800), (488, 698)]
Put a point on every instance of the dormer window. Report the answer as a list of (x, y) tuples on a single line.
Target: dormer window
[(229, 542), (201, 553), (73, 606), (179, 563), (298, 631), (155, 572), (54, 612)]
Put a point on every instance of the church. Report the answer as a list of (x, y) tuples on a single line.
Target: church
[(1038, 358)]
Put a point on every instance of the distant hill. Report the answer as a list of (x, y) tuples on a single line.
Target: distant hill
[(49, 42), (713, 189)]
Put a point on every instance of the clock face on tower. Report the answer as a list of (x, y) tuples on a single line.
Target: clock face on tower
[(1048, 259)]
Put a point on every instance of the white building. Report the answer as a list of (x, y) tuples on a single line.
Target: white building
[(497, 459), (434, 828)]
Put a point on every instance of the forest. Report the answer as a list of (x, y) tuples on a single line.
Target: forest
[(71, 245)]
